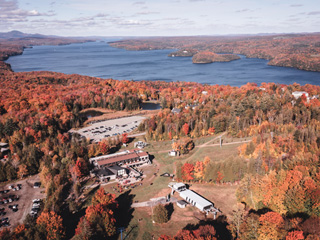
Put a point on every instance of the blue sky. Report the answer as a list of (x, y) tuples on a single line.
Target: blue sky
[(159, 17)]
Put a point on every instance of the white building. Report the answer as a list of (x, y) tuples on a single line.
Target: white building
[(298, 94), (193, 198), (196, 200)]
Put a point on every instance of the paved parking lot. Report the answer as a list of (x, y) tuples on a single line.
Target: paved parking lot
[(109, 128), (22, 198)]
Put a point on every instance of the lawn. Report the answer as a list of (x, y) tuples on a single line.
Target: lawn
[(223, 196), (141, 225)]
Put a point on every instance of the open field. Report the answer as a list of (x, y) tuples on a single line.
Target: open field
[(112, 114), (223, 198)]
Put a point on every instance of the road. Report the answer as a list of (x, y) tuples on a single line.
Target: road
[(152, 203)]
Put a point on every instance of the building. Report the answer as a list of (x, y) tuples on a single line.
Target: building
[(298, 94), (173, 153), (140, 144), (193, 198), (126, 158), (118, 171), (178, 187), (176, 110), (104, 174), (196, 200), (182, 203)]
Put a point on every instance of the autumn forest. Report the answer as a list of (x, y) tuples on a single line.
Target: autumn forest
[(277, 173)]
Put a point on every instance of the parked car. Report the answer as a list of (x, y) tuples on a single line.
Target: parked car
[(36, 185), (36, 200)]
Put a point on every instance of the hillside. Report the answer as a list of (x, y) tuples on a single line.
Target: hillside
[(301, 51)]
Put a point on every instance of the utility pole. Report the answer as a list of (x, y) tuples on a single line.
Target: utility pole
[(121, 229), (220, 140)]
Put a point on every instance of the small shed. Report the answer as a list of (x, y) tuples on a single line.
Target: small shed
[(173, 153), (182, 204)]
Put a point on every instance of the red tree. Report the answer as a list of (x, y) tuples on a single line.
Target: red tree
[(125, 138), (187, 171), (185, 128)]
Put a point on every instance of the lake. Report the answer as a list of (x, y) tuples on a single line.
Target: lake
[(98, 59)]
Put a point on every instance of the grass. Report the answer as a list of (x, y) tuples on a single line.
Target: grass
[(223, 196)]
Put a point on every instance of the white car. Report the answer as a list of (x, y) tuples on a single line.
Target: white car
[(36, 205), (36, 200)]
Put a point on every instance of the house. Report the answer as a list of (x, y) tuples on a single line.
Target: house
[(176, 110), (4, 148), (126, 158), (298, 94), (182, 203), (204, 92), (3, 145)]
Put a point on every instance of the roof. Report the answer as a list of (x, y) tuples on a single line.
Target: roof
[(178, 185), (115, 167), (200, 201), (114, 158), (176, 110), (182, 202), (3, 144), (103, 172)]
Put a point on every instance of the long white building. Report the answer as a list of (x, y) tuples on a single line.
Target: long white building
[(193, 198)]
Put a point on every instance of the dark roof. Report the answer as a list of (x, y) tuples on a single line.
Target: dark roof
[(115, 167), (103, 172), (182, 202)]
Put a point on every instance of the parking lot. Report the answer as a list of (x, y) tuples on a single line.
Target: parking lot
[(16, 201), (110, 128)]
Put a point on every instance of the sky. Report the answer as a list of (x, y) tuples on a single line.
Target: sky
[(159, 17)]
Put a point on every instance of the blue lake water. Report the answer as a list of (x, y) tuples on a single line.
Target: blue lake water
[(98, 59)]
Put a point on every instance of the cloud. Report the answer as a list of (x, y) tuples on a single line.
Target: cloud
[(139, 3), (197, 0), (296, 5), (9, 11), (314, 13), (243, 10), (147, 13)]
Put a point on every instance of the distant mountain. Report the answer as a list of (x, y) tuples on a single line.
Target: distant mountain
[(18, 34)]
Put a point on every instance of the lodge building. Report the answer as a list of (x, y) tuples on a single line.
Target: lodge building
[(128, 158)]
